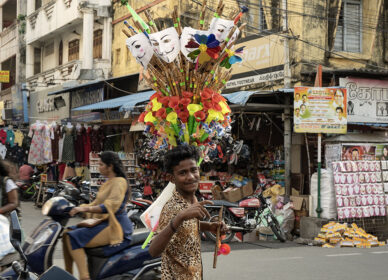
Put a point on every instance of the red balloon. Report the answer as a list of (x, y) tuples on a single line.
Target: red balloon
[(225, 249)]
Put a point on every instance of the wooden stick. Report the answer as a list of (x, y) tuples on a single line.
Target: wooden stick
[(218, 237), (151, 22), (201, 25), (177, 20), (219, 8), (126, 32)]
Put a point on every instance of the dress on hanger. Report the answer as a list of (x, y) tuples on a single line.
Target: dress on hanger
[(3, 136), (54, 142), (10, 137), (87, 145), (19, 137), (40, 149), (68, 154), (79, 145), (97, 139)]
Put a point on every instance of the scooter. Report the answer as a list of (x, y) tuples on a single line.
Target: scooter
[(135, 208), (22, 271), (125, 261)]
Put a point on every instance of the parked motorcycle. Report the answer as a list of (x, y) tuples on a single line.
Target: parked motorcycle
[(75, 191), (245, 216), (135, 208), (125, 261), (27, 189), (22, 271)]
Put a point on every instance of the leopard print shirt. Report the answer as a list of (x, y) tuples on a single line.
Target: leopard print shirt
[(181, 260)]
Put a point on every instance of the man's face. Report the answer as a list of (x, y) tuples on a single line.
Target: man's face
[(297, 112), (304, 98), (338, 113), (338, 97), (185, 176), (355, 155), (297, 97), (302, 109)]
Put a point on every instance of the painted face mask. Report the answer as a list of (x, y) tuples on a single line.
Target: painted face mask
[(221, 28), (188, 35), (166, 44), (140, 48)]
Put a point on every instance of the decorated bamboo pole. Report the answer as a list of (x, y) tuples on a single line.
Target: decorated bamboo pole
[(201, 25)]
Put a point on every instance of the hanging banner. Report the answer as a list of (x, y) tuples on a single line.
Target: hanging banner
[(4, 76), (367, 100), (320, 110)]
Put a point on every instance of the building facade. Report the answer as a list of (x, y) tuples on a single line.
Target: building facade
[(67, 43)]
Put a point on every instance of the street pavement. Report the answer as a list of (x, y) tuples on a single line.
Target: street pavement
[(269, 259)]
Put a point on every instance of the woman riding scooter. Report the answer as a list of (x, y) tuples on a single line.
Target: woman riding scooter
[(109, 223)]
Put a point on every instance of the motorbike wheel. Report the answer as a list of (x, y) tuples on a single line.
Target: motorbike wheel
[(212, 236), (24, 196), (276, 229)]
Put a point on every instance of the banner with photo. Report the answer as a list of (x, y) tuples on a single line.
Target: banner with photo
[(367, 100), (320, 110)]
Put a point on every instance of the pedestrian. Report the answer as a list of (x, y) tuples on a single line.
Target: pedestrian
[(25, 172), (182, 218), (9, 199)]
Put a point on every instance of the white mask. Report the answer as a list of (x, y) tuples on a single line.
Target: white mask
[(188, 35), (140, 48), (221, 29), (166, 44)]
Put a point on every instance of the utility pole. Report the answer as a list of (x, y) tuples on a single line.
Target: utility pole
[(287, 111)]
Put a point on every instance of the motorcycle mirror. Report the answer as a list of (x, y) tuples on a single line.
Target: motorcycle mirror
[(16, 234)]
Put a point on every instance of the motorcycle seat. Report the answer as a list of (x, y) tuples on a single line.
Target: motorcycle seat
[(224, 203), (108, 250)]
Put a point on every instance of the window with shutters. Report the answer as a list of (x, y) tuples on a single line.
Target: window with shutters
[(349, 30), (97, 44), (73, 50), (60, 53)]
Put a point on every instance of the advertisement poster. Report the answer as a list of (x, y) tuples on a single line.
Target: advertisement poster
[(4, 76), (320, 110), (367, 100), (356, 152)]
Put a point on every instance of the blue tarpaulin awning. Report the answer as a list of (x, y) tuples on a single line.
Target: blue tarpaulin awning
[(239, 97), (125, 103)]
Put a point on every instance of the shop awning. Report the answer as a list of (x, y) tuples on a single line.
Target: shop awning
[(76, 87), (239, 97), (125, 102)]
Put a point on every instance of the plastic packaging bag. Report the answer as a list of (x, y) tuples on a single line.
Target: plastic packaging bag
[(5, 244), (288, 215)]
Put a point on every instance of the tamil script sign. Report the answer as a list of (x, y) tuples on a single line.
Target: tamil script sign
[(320, 110), (4, 76), (367, 100)]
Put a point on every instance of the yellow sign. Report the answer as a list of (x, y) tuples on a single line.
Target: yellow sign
[(262, 60), (320, 110), (4, 76)]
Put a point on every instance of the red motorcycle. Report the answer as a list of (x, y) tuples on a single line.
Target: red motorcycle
[(135, 208), (245, 216)]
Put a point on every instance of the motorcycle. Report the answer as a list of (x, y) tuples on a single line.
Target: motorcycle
[(135, 208), (21, 271), (126, 261), (245, 216), (27, 189), (75, 192)]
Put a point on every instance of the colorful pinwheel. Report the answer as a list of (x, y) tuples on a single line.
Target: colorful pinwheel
[(208, 47), (231, 57)]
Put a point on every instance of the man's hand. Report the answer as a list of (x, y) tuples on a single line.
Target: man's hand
[(214, 226), (195, 211)]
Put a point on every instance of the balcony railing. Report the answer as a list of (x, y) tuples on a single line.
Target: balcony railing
[(55, 75), (8, 34)]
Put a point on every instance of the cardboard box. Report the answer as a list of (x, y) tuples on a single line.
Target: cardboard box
[(299, 200), (233, 195)]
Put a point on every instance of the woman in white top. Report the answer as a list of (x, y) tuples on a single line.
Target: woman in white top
[(8, 190)]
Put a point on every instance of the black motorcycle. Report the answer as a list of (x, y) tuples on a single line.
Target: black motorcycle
[(245, 216)]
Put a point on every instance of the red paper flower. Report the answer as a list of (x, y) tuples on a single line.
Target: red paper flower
[(184, 116), (164, 100), (141, 117), (156, 95), (200, 115), (161, 113), (174, 102), (206, 93), (185, 101), (216, 97), (187, 94), (216, 106), (207, 105)]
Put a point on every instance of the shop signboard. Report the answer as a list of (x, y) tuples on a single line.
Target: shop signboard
[(364, 151), (320, 110), (87, 96), (367, 100), (4, 76), (262, 61)]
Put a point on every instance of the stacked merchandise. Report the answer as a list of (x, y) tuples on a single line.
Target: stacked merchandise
[(359, 189), (384, 174), (271, 166), (344, 235)]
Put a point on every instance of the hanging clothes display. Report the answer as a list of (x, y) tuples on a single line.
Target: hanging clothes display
[(87, 145), (19, 136), (55, 141), (79, 144), (68, 153), (97, 139), (3, 151), (10, 138), (3, 136), (40, 150)]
